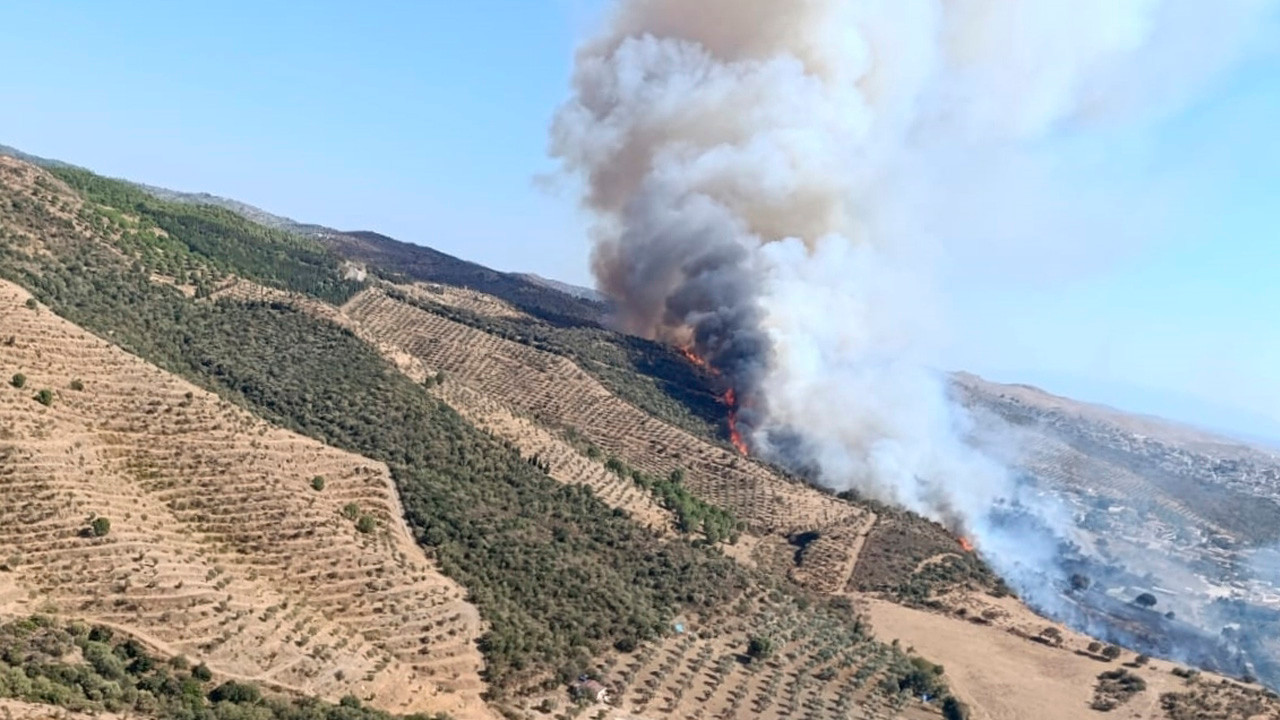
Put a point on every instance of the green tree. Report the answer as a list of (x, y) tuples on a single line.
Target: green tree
[(104, 661), (19, 380), (1146, 600), (317, 483), (77, 385), (45, 397), (759, 647), (366, 524), (100, 526), (235, 692)]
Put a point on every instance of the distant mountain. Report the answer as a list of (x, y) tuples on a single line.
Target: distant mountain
[(567, 288), (255, 214)]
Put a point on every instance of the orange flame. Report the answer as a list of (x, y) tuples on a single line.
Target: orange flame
[(730, 399), (698, 360), (964, 543), (735, 437)]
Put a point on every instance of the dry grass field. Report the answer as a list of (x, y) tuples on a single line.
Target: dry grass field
[(1003, 675), (219, 546)]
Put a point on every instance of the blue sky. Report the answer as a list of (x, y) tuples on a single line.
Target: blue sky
[(427, 121)]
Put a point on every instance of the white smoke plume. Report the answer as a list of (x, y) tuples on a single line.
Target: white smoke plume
[(779, 184)]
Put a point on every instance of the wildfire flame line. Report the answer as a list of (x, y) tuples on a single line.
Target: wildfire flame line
[(735, 437), (730, 399), (698, 360), (964, 543)]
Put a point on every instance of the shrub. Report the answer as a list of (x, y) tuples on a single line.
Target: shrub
[(351, 511), (1114, 688), (31, 304), (18, 380), (77, 385), (366, 524), (235, 692), (921, 678), (759, 647), (100, 526), (202, 673), (104, 661), (45, 397), (953, 709), (1052, 635), (1146, 600), (317, 483), (1111, 652)]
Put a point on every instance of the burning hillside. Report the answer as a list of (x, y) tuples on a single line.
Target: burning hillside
[(775, 187), (729, 397)]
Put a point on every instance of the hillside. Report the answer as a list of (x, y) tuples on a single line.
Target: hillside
[(219, 546), (565, 499)]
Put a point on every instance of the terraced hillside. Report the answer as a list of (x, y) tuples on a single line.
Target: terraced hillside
[(548, 512), (813, 665), (554, 391), (219, 547)]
